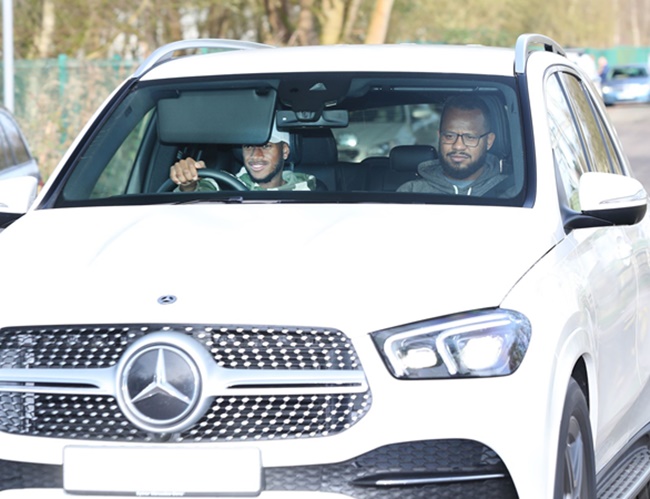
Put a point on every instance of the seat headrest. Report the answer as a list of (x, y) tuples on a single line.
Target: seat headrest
[(501, 145), (407, 158), (314, 147)]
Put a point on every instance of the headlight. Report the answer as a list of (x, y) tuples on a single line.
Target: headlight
[(476, 344), (607, 89)]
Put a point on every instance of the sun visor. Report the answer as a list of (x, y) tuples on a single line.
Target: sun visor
[(236, 116)]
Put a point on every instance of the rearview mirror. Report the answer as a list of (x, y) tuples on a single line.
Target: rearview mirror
[(330, 118)]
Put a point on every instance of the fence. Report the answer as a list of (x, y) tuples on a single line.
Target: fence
[(622, 55), (56, 97)]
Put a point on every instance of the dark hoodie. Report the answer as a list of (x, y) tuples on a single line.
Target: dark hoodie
[(435, 181)]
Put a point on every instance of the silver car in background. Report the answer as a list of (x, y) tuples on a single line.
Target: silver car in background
[(627, 83), (16, 159)]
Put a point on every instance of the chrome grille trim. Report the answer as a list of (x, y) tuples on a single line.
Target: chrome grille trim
[(222, 382)]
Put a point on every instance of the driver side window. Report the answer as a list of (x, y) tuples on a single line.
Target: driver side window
[(114, 180)]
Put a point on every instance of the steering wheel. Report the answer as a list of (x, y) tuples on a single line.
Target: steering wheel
[(216, 175)]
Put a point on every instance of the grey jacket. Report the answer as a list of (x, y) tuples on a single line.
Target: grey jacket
[(435, 181)]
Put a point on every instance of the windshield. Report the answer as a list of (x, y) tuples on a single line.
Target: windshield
[(349, 138), (624, 72)]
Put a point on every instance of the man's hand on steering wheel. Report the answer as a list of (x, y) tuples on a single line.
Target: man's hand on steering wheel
[(185, 173)]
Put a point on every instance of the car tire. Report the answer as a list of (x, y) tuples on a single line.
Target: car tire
[(575, 475)]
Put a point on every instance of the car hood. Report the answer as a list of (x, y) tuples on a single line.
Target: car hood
[(366, 266)]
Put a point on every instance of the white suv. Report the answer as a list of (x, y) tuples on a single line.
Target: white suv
[(354, 341)]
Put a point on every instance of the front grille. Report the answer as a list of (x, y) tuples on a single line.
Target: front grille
[(77, 411), (232, 346)]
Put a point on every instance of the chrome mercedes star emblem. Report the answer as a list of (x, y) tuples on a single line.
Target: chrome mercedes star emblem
[(160, 387)]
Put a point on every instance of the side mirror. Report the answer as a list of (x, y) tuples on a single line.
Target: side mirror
[(17, 194), (609, 199)]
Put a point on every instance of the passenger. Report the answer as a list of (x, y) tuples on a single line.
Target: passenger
[(263, 169), (465, 166)]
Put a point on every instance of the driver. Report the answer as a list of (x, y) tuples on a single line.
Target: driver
[(263, 169)]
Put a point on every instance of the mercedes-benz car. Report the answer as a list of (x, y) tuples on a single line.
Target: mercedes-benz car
[(357, 339)]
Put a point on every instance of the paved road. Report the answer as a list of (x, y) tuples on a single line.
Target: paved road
[(632, 122)]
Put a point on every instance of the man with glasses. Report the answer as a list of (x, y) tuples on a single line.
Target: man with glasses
[(465, 165)]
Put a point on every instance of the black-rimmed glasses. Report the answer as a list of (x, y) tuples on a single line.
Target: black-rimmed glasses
[(469, 139)]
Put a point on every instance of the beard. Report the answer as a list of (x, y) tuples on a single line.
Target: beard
[(452, 170), (277, 170)]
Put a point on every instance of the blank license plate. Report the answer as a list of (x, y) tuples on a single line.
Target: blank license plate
[(147, 471)]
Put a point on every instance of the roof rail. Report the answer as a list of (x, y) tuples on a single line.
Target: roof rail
[(166, 52), (523, 48)]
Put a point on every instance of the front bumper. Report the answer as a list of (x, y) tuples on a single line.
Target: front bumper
[(425, 438), (427, 469)]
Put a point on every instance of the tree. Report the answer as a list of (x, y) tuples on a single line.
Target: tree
[(306, 29), (279, 30), (379, 22), (44, 39), (103, 28)]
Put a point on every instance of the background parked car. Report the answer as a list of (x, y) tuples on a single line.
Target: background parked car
[(628, 83), (19, 171), (16, 159)]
